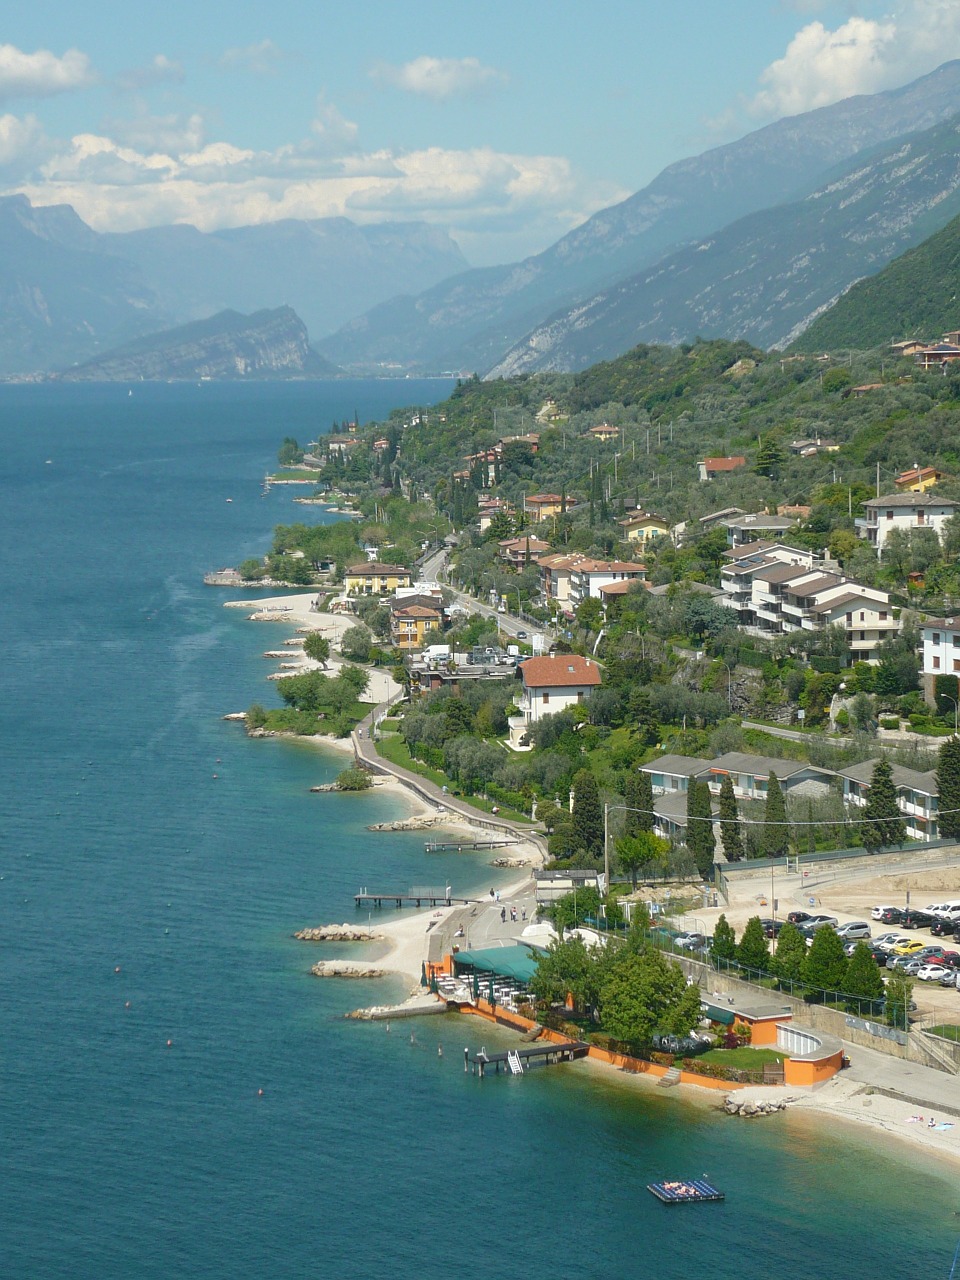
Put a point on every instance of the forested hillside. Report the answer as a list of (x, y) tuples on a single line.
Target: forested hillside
[(916, 296)]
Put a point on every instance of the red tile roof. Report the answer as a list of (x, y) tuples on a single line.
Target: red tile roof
[(724, 464), (564, 670)]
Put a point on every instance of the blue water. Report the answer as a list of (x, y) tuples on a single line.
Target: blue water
[(366, 1155)]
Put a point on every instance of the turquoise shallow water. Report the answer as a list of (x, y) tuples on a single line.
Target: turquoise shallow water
[(366, 1154)]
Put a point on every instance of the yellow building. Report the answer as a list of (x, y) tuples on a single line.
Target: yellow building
[(410, 624), (541, 506), (642, 526), (375, 579), (917, 479)]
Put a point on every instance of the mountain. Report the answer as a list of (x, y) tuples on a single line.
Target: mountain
[(470, 320), (225, 347), (767, 276), (915, 296), (68, 293), (327, 269)]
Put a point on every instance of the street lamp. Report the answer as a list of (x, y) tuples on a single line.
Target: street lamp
[(729, 683), (947, 698)]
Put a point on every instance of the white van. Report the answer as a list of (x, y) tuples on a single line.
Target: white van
[(949, 911)]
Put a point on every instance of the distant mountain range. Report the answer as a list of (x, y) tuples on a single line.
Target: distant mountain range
[(69, 293), (915, 296), (226, 347), (472, 320)]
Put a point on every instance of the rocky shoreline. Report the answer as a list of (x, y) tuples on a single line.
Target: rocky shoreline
[(338, 933), (345, 969), (749, 1107)]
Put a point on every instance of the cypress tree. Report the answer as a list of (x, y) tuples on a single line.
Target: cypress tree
[(753, 951), (724, 940), (700, 839), (948, 786), (587, 813), (776, 833), (639, 801), (863, 979), (731, 837), (884, 823), (825, 965), (791, 953)]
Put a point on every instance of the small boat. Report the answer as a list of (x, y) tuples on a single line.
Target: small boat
[(229, 499)]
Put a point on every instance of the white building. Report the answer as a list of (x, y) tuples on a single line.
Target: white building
[(554, 683), (587, 577), (940, 652), (917, 796), (904, 511)]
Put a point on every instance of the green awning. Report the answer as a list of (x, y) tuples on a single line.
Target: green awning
[(717, 1013), (515, 962)]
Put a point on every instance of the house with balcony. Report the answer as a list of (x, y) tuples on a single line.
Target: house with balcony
[(670, 817), (671, 774), (375, 579), (543, 506), (745, 564), (410, 624), (552, 684), (745, 529), (904, 511), (940, 654), (587, 577), (641, 526), (917, 795), (937, 356), (750, 776), (556, 572), (519, 552), (603, 432)]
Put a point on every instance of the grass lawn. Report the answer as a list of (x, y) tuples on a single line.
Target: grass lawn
[(393, 748), (949, 1031), (743, 1059)]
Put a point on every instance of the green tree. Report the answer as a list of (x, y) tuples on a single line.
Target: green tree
[(252, 570), (700, 838), (572, 909), (646, 993), (587, 813), (753, 951), (355, 644), (948, 787), (731, 836), (354, 780), (639, 801), (256, 716), (564, 968), (883, 823), (769, 458), (642, 850), (863, 980), (289, 452), (317, 647), (724, 940), (899, 990), (776, 832), (791, 953), (825, 965)]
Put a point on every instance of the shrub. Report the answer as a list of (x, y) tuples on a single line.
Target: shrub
[(889, 722), (354, 779)]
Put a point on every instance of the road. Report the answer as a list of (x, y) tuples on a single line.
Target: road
[(434, 570)]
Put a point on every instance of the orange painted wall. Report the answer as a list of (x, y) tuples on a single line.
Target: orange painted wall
[(765, 1032), (810, 1073)]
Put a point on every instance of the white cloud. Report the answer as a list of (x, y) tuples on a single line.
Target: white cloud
[(438, 77), (170, 133), (862, 55), (332, 132), (262, 58), (42, 74), (159, 69), (20, 139)]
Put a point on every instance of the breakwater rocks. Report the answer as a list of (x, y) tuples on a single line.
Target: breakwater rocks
[(338, 933), (750, 1107), (510, 862), (345, 969), (423, 823)]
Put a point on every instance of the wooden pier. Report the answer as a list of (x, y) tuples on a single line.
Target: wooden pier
[(699, 1191), (415, 897), (517, 1061)]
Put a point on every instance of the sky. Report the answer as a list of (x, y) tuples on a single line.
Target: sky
[(505, 123)]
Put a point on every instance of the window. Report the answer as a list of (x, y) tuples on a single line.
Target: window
[(936, 636), (889, 515), (861, 615), (883, 615), (936, 664), (956, 640), (849, 619), (863, 635), (546, 697), (956, 664)]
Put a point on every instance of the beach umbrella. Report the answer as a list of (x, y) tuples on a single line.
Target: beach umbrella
[(493, 999), (476, 985), (434, 987), (423, 974)]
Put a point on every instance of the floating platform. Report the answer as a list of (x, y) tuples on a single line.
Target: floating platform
[(531, 1055), (698, 1191), (416, 897), (434, 846)]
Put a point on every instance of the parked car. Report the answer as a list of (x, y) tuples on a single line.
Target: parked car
[(912, 919), (891, 915), (941, 928), (695, 1042), (799, 917), (877, 912), (853, 929), (819, 920), (933, 972), (950, 978), (521, 635), (690, 941), (771, 928), (890, 940), (910, 948)]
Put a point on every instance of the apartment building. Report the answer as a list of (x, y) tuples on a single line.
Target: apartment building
[(917, 796), (588, 577), (904, 511)]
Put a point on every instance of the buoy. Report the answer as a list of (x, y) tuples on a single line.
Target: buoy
[(166, 931), (216, 775), (127, 1005), (169, 1044), (259, 1093), (117, 969)]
